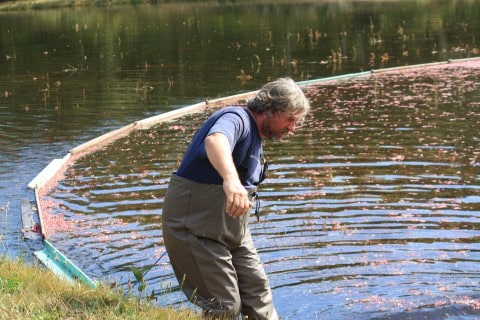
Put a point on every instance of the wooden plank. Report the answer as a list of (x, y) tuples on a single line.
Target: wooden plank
[(30, 221)]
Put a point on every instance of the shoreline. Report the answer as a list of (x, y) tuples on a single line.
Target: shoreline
[(33, 5), (28, 5)]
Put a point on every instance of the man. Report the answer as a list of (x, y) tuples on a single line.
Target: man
[(205, 220)]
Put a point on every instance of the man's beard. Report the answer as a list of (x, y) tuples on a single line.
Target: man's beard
[(268, 132)]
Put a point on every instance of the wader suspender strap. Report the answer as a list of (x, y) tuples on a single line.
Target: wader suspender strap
[(243, 168), (242, 174)]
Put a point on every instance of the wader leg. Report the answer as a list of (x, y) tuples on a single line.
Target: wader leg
[(204, 270), (255, 292)]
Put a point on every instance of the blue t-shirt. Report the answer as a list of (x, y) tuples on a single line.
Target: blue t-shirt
[(238, 125)]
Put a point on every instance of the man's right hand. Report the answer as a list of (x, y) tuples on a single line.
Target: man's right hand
[(238, 202)]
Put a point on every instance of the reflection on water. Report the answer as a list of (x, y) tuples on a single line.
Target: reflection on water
[(371, 210), (69, 75)]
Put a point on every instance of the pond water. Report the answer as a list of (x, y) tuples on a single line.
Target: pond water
[(377, 191), (372, 210)]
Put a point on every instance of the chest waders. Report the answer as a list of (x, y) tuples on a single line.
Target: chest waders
[(212, 254)]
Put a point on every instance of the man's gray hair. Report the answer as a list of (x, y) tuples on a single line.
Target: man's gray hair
[(282, 95)]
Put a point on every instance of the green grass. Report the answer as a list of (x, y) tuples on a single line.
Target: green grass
[(31, 292)]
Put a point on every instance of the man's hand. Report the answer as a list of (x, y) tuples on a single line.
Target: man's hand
[(238, 203)]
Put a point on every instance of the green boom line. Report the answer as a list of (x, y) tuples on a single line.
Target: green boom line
[(60, 265)]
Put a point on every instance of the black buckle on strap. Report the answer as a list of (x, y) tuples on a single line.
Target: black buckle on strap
[(256, 198)]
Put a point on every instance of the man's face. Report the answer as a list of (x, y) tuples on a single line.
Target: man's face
[(277, 125)]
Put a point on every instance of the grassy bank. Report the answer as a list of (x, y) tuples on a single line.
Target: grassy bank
[(30, 292)]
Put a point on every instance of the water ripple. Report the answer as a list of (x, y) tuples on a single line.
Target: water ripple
[(367, 212)]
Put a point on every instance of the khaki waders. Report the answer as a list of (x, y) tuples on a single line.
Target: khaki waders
[(212, 254)]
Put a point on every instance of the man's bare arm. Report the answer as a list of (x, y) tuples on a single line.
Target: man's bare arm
[(219, 154)]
